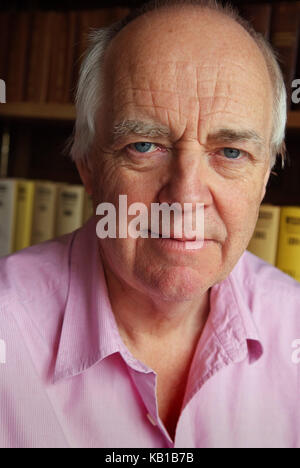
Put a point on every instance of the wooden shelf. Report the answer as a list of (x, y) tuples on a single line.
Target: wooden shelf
[(30, 110), (293, 119), (53, 111)]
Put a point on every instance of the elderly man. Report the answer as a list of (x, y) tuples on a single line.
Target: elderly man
[(139, 341)]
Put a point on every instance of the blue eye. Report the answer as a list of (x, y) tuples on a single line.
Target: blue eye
[(143, 146), (231, 153)]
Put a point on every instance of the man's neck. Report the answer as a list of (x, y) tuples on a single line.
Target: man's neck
[(141, 317), (164, 336)]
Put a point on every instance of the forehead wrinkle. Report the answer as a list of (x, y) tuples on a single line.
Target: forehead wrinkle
[(178, 93), (139, 92), (200, 87), (136, 69), (144, 49), (184, 112)]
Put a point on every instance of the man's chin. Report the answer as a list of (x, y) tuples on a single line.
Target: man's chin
[(177, 284)]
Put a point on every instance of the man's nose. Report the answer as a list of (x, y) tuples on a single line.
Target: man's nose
[(188, 179)]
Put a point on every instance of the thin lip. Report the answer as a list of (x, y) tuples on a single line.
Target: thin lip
[(179, 239)]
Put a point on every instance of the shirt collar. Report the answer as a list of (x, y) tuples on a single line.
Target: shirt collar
[(231, 318), (89, 330)]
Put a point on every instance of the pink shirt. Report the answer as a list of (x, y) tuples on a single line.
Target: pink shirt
[(68, 380)]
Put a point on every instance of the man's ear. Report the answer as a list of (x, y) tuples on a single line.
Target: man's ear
[(85, 175)]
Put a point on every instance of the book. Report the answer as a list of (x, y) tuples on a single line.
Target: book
[(8, 210), (89, 20), (259, 16), (288, 253), (69, 68), (39, 56), (58, 56), (118, 13), (285, 38), (5, 138), (44, 211), (5, 38), (265, 237), (62, 56), (296, 89), (17, 57), (69, 209), (24, 214), (88, 209)]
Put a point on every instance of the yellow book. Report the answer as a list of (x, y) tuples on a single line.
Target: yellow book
[(8, 209), (288, 254), (44, 211), (265, 236), (69, 209), (88, 209), (25, 201)]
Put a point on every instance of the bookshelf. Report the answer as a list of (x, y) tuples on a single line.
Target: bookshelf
[(41, 128), (293, 120), (33, 110), (66, 112), (39, 115)]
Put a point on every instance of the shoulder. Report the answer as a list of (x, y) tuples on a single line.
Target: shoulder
[(262, 276), (35, 271), (268, 292), (35, 289)]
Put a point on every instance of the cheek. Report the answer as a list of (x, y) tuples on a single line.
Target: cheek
[(115, 180), (104, 178), (238, 207)]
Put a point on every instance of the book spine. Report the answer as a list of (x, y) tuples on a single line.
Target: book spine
[(44, 212), (49, 21), (284, 38), (39, 57), (296, 90), (72, 34), (259, 16), (70, 209), (118, 13), (5, 40), (89, 20), (25, 200), (58, 58), (17, 57), (8, 202), (33, 59), (265, 237), (288, 254)]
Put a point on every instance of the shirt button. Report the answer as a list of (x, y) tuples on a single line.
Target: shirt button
[(151, 419)]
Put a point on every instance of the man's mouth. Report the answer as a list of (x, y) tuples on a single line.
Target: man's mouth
[(179, 243), (179, 239)]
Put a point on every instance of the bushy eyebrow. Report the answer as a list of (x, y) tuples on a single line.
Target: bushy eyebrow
[(156, 129), (232, 136), (139, 127)]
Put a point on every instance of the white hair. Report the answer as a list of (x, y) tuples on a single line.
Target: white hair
[(90, 86)]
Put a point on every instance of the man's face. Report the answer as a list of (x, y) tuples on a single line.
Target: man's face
[(194, 73)]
